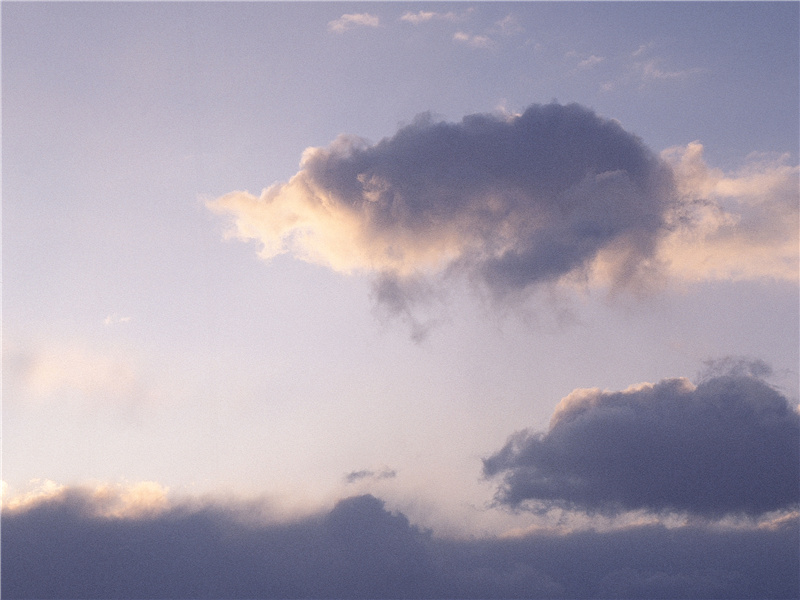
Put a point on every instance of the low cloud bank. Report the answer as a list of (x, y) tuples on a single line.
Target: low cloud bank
[(64, 547), (728, 446)]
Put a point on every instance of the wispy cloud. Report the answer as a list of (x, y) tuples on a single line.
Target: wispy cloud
[(419, 17), (475, 41), (584, 61), (640, 69), (508, 25), (651, 70), (350, 21), (424, 16), (590, 62)]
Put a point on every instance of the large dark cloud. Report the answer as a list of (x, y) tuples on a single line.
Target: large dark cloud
[(727, 446), (512, 201), (60, 548)]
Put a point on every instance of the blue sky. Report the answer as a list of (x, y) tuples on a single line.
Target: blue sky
[(171, 332)]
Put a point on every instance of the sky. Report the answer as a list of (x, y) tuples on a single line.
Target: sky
[(455, 287)]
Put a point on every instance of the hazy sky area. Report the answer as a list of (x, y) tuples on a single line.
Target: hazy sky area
[(400, 299)]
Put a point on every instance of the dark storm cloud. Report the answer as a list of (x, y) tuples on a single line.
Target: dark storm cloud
[(510, 201), (727, 446), (60, 548)]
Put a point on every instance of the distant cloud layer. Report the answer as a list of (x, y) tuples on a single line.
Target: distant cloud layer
[(510, 202), (726, 446), (68, 546)]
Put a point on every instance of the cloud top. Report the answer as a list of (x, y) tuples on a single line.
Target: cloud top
[(726, 446), (510, 201)]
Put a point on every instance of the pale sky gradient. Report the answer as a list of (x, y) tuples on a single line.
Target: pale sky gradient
[(144, 342)]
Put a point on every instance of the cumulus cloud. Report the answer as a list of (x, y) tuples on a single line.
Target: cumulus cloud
[(349, 21), (67, 547), (725, 446), (514, 202), (510, 201)]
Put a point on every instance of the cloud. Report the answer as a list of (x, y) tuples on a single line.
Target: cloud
[(350, 21), (590, 62), (66, 547), (82, 375), (641, 71), (424, 16), (354, 476), (121, 500), (73, 369), (508, 25), (733, 226), (418, 17), (726, 446), (41, 490), (513, 203), (508, 201), (476, 41), (650, 70), (115, 319)]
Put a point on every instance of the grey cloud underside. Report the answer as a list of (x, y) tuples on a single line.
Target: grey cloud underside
[(729, 446), (531, 197), (360, 550)]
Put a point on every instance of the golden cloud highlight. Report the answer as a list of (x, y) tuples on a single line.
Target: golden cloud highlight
[(732, 226)]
